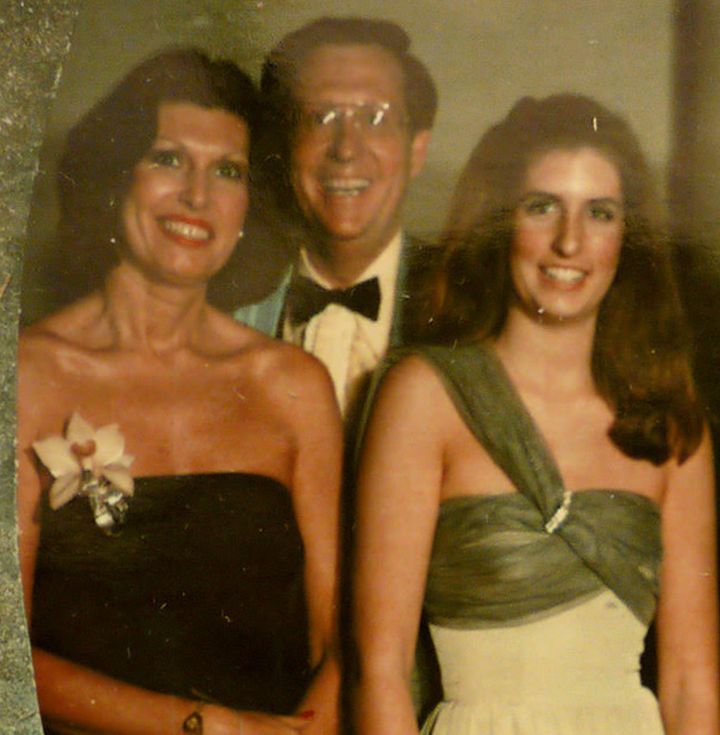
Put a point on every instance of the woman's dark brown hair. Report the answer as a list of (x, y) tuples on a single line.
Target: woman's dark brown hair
[(102, 149), (640, 357)]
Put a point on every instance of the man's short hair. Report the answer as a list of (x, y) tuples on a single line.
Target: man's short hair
[(281, 67)]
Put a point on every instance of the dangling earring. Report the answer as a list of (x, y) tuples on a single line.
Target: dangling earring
[(241, 234)]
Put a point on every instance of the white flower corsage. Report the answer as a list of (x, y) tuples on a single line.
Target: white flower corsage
[(91, 463)]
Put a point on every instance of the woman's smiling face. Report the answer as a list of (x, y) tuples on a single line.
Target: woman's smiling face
[(185, 208), (568, 231)]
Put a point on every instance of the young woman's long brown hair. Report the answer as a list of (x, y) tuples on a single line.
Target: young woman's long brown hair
[(640, 354)]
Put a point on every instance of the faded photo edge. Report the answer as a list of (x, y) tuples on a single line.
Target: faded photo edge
[(35, 40)]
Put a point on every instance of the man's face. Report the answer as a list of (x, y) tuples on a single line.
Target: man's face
[(353, 153)]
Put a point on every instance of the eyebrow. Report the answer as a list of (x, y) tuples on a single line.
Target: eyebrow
[(178, 144), (538, 192), (558, 197), (608, 200)]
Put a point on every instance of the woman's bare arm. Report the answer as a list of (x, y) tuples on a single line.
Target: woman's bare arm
[(398, 498), (79, 700), (687, 613), (315, 488)]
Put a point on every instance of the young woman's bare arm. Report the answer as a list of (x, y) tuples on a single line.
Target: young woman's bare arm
[(398, 498), (687, 613)]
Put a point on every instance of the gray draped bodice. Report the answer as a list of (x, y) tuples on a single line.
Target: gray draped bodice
[(498, 559)]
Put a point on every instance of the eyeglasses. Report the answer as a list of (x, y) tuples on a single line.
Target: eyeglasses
[(371, 120)]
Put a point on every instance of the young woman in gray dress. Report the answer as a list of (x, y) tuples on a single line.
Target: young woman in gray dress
[(539, 480), (178, 471)]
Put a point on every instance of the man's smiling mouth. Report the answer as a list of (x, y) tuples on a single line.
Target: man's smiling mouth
[(349, 187)]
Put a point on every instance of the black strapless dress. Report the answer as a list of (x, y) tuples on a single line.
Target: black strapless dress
[(200, 594)]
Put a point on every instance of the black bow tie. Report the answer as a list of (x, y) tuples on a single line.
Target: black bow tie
[(306, 298)]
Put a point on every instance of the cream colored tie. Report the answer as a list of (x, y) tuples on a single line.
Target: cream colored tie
[(329, 336)]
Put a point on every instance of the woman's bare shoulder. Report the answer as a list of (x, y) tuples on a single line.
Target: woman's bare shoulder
[(412, 378), (56, 357), (264, 355), (287, 369), (48, 353), (69, 327), (292, 390), (412, 398)]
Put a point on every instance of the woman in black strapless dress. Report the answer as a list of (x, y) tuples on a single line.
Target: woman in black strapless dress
[(190, 587)]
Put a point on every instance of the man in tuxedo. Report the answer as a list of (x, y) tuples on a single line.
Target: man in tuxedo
[(351, 110), (350, 117)]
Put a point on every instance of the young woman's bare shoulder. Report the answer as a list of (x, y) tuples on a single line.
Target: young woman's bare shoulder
[(412, 380), (411, 397)]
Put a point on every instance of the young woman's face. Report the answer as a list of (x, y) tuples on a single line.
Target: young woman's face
[(185, 208), (568, 230)]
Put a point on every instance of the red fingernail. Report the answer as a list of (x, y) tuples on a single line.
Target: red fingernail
[(307, 714)]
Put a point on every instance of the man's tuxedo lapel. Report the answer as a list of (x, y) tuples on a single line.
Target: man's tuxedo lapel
[(396, 327), (265, 315)]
